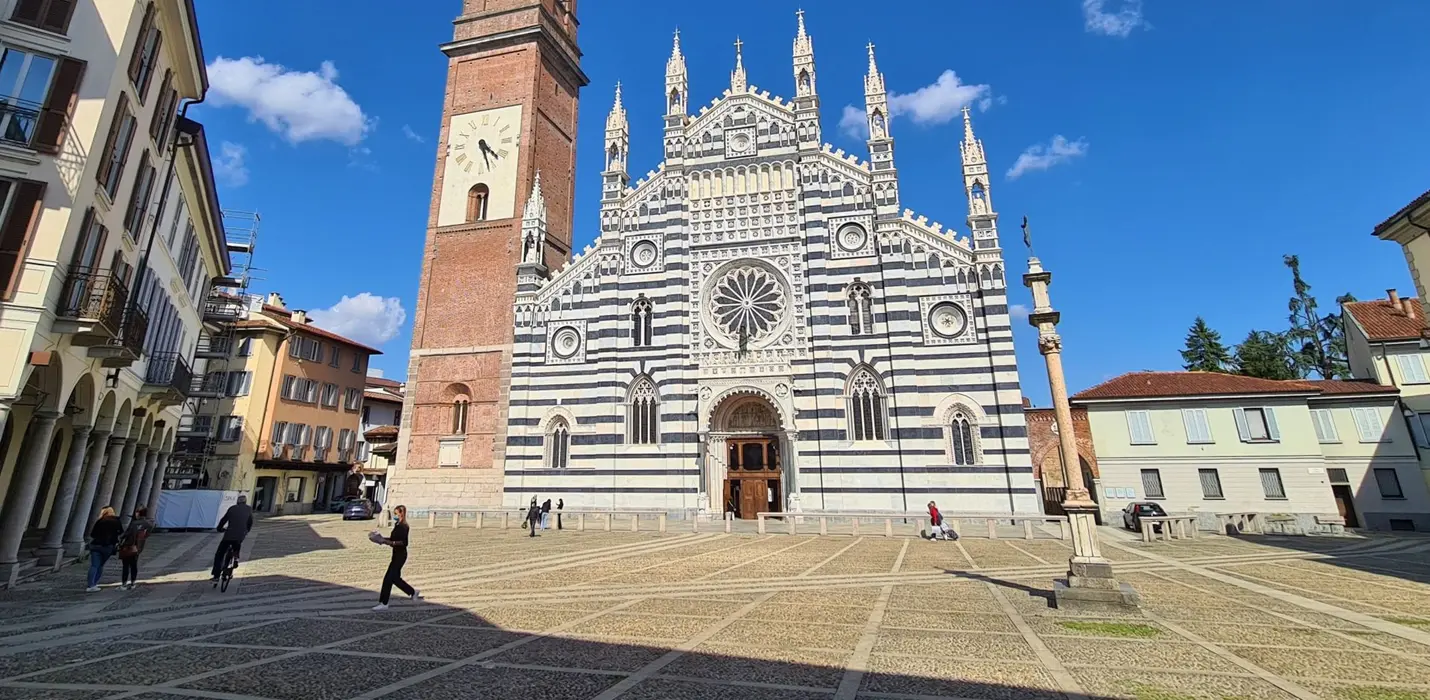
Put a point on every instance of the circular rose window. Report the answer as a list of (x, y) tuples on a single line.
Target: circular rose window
[(740, 141), (948, 320), (565, 342), (747, 303), (852, 237), (644, 254)]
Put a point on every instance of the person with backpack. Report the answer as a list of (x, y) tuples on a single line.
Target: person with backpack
[(131, 545), (103, 541)]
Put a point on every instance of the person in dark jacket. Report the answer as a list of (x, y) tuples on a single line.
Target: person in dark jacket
[(560, 503), (533, 516), (546, 514), (398, 542), (234, 525), (131, 545), (103, 541)]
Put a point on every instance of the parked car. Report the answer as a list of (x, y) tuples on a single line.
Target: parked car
[(1134, 512), (360, 509)]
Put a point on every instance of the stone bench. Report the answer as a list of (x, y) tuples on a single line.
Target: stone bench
[(1178, 527), (1239, 523)]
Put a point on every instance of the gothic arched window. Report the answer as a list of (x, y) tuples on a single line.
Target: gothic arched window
[(613, 157), (962, 449), (641, 332), (860, 302), (477, 199), (866, 406), (558, 444), (642, 419), (674, 100)]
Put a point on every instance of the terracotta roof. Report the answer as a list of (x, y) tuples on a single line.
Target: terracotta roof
[(384, 382), (1146, 385), (1414, 204), (285, 318), (1382, 320), (1351, 386), (1150, 385), (381, 396), (387, 431)]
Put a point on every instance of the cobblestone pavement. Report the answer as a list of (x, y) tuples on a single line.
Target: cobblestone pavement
[(715, 615)]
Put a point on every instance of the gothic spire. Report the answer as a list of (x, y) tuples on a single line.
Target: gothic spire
[(617, 118), (874, 81), (967, 126), (676, 64), (536, 203), (738, 83), (803, 45)]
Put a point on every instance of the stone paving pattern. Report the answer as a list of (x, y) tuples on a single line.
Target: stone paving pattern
[(714, 615)]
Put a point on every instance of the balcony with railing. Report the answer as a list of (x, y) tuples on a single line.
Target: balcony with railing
[(31, 125), (93, 308), (168, 379), (214, 346), (208, 387), (223, 308)]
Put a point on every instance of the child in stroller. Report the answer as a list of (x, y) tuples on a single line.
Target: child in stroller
[(938, 529)]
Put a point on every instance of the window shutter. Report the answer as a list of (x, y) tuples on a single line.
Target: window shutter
[(1271, 430), (16, 231), (107, 155), (160, 115), (1195, 422), (1325, 424), (1139, 428), (1242, 429), (1368, 424), (28, 11), (1389, 483), (1412, 368), (137, 58), (59, 105)]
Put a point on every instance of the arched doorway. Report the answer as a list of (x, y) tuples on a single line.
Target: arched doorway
[(747, 448)]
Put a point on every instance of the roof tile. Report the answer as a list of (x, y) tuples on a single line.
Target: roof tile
[(1383, 320)]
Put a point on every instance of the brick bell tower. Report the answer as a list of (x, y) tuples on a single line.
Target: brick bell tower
[(513, 81)]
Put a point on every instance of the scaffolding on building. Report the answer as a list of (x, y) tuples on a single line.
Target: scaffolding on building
[(197, 460)]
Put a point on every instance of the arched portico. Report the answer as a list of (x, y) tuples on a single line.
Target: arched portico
[(749, 454)]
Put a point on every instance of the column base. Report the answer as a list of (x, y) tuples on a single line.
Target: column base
[(1091, 587), (75, 549), (10, 573), (49, 556)]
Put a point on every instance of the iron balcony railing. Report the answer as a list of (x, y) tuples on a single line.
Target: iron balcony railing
[(218, 308), (171, 370), (136, 328), (95, 294), (31, 124)]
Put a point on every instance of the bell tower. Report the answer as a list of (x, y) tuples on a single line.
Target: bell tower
[(513, 82)]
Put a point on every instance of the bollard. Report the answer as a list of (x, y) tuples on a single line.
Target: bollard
[(1027, 529), (791, 524), (662, 523), (992, 529), (854, 527), (823, 525), (431, 519), (694, 523), (456, 518), (728, 521), (479, 519), (888, 527), (759, 524), (1146, 531), (635, 522), (1064, 529), (609, 517), (918, 527), (506, 520), (580, 522)]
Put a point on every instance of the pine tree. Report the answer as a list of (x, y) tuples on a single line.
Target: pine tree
[(1266, 355), (1333, 330), (1205, 351), (1308, 336)]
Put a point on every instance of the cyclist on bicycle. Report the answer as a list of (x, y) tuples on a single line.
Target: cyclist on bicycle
[(234, 525)]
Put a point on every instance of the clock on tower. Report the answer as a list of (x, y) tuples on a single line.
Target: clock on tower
[(513, 78)]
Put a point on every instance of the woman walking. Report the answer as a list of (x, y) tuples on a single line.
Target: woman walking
[(103, 541), (131, 545), (398, 542), (533, 516)]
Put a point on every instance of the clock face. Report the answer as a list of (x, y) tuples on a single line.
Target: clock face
[(482, 153)]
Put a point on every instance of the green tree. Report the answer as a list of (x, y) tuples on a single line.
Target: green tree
[(1317, 342), (1205, 351), (1266, 355)]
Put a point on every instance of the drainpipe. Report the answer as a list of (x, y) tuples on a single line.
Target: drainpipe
[(154, 230), (889, 352)]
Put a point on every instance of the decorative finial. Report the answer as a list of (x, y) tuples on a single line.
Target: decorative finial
[(967, 126), (618, 95), (873, 68), (737, 78), (800, 14), (536, 203), (675, 50)]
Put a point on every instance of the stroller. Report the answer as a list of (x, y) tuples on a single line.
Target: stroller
[(939, 529)]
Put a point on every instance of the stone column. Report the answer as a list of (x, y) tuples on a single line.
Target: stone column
[(789, 467), (52, 549), (76, 529), (141, 496), (131, 488), (121, 450), (24, 485), (1091, 584), (715, 469), (4, 418), (156, 486)]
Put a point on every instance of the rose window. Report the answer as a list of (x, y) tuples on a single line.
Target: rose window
[(748, 303)]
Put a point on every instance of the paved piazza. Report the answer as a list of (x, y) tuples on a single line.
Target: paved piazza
[(714, 615)]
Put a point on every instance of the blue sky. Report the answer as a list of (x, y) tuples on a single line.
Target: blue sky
[(1175, 151)]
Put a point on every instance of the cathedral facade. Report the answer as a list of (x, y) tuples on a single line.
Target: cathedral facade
[(759, 326)]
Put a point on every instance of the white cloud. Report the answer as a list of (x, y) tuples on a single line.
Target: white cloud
[(300, 105), (1018, 312), (1120, 23), (409, 133), (936, 103), (1040, 157), (366, 318), (229, 167)]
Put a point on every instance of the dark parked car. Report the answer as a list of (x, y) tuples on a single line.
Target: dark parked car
[(360, 509), (1134, 512)]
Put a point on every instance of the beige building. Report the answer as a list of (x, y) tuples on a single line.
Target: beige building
[(1409, 227), (381, 416), (1384, 342), (1304, 455), (110, 235), (287, 425)]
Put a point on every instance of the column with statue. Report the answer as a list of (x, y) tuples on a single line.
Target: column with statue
[(1090, 584)]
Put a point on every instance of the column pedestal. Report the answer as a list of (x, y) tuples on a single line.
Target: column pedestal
[(1091, 586)]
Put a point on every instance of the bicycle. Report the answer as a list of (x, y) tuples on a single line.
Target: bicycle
[(230, 562)]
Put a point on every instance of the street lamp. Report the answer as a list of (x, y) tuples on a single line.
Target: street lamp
[(1091, 584)]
